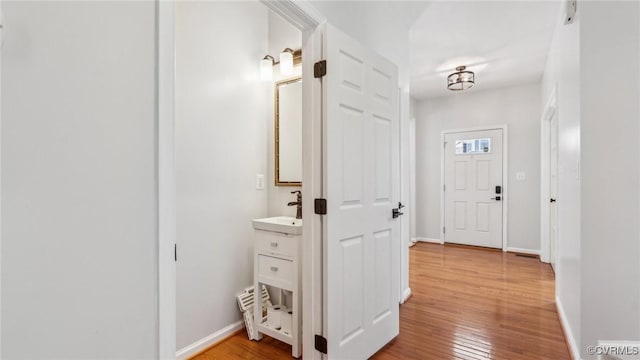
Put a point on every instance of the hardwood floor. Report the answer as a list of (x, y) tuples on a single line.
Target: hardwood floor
[(467, 303)]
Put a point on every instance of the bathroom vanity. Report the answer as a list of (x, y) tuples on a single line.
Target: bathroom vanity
[(277, 265)]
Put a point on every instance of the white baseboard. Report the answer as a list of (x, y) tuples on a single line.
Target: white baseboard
[(524, 251), (406, 294), (573, 347), (206, 342), (429, 240)]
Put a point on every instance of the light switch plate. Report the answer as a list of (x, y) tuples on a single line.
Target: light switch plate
[(521, 176), (259, 182)]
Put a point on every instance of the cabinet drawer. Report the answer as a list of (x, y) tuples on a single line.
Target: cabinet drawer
[(277, 272), (276, 244)]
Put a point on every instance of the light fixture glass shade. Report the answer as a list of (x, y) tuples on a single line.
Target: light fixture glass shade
[(286, 62), (266, 68), (461, 79)]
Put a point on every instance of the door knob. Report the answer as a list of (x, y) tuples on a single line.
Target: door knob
[(552, 200), (497, 198)]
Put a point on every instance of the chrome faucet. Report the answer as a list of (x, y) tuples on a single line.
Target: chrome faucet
[(297, 203)]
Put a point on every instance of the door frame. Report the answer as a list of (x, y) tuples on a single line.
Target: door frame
[(307, 19), (550, 111), (404, 196), (505, 176), (412, 180)]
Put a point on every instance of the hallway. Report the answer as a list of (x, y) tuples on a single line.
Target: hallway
[(467, 303)]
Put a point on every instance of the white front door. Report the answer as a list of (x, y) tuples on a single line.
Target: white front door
[(553, 191), (473, 194), (361, 239)]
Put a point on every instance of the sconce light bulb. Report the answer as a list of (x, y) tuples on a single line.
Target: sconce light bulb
[(266, 68), (286, 62)]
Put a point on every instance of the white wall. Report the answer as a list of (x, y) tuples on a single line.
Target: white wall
[(221, 142), (79, 229), (381, 25), (384, 27), (562, 71), (610, 171), (519, 108), (281, 35)]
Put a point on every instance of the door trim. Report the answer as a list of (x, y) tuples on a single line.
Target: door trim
[(505, 177), (550, 111), (404, 184)]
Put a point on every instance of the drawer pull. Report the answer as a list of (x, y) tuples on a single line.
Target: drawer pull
[(274, 244), (274, 268)]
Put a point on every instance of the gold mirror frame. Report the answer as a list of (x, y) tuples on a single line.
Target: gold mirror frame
[(276, 133)]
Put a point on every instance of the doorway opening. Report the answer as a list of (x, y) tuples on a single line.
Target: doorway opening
[(380, 102), (207, 86)]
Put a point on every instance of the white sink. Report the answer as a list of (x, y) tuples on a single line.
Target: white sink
[(281, 224)]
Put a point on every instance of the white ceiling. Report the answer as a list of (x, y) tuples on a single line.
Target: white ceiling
[(504, 42)]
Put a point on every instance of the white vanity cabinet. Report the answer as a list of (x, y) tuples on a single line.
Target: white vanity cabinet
[(277, 264)]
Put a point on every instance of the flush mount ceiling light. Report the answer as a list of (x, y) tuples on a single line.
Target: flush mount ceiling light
[(461, 79), (286, 62), (266, 68)]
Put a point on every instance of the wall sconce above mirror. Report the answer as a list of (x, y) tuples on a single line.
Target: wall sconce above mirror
[(266, 68), (288, 132), (287, 60)]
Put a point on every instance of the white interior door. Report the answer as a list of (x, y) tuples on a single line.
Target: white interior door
[(472, 199), (361, 239), (553, 190)]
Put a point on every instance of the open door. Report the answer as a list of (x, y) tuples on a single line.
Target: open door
[(361, 180)]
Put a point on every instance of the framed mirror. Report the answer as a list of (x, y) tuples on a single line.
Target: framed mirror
[(288, 132)]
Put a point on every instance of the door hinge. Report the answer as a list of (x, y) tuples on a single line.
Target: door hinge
[(320, 206), (321, 344), (320, 69), (444, 187), (444, 230), (175, 252)]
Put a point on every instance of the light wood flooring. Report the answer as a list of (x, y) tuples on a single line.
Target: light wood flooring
[(467, 303)]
